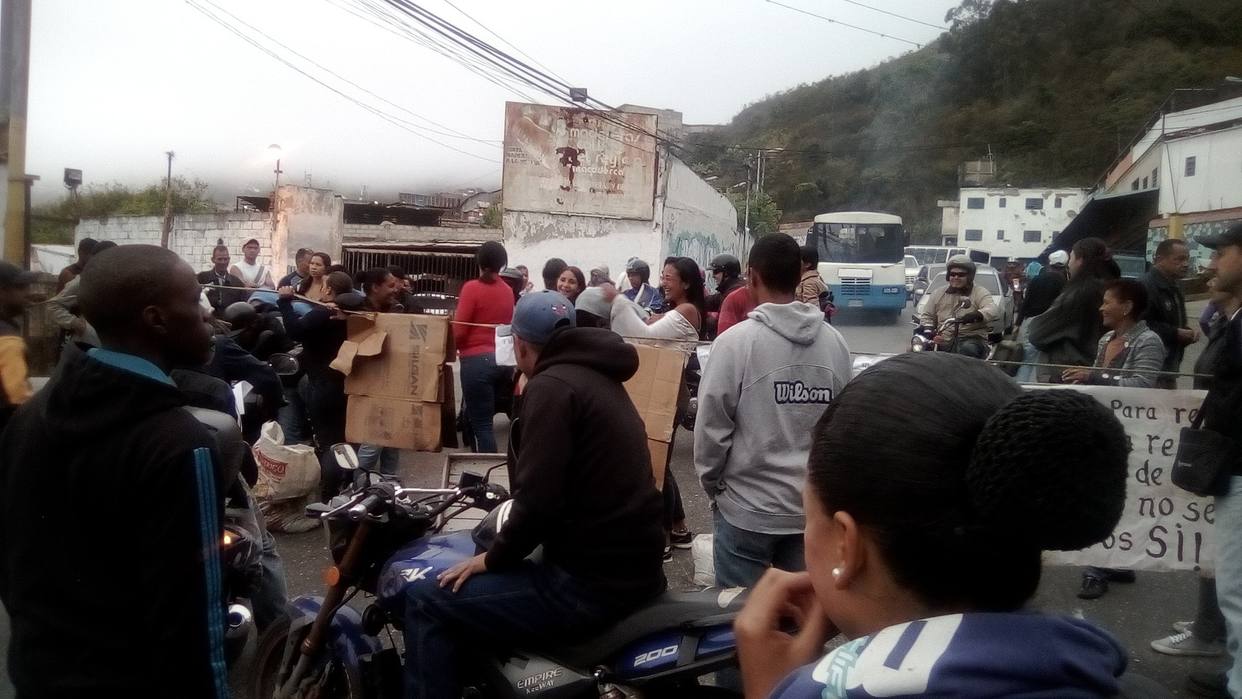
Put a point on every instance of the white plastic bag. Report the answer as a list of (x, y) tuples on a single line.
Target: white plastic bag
[(504, 349), (286, 472), (704, 564)]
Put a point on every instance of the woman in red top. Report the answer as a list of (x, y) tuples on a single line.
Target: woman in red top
[(488, 301)]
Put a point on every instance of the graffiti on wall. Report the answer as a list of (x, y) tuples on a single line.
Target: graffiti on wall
[(700, 247)]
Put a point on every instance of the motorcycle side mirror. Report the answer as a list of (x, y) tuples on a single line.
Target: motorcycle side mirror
[(918, 292), (345, 456)]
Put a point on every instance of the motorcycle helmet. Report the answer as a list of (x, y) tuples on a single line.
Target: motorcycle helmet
[(726, 263), (637, 266), (962, 262)]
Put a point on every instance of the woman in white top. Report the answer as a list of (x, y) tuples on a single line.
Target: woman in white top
[(252, 274), (685, 296)]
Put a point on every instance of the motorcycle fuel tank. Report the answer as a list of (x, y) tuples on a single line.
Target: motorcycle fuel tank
[(422, 559)]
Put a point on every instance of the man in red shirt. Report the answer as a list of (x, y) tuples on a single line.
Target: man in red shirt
[(737, 305), (487, 301)]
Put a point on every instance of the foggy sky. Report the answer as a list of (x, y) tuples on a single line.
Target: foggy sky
[(115, 83)]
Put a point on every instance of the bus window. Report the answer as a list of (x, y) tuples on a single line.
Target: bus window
[(859, 243)]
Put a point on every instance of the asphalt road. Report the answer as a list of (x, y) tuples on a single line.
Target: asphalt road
[(1136, 614)]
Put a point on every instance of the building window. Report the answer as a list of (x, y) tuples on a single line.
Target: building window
[(1190, 166), (1145, 183), (1002, 202), (974, 203), (1032, 236), (1134, 186), (1000, 235), (1035, 203), (1057, 203), (1155, 177), (974, 235)]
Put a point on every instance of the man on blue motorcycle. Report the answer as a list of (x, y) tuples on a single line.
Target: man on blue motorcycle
[(582, 489)]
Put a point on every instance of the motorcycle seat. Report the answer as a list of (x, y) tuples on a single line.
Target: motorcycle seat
[(669, 611)]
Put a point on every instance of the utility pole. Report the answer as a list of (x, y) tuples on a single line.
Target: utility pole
[(14, 86), (168, 215), (746, 219)]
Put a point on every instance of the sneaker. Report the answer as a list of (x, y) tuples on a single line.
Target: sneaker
[(1183, 627), (668, 554), (1092, 587), (1208, 684), (681, 539), (1186, 644)]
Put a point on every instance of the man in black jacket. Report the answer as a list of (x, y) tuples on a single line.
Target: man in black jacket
[(1166, 307), (726, 270), (582, 487), (1222, 411), (109, 508)]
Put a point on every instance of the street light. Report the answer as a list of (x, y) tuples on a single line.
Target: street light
[(273, 152)]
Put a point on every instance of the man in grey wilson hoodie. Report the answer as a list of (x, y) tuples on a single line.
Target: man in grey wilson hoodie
[(766, 383)]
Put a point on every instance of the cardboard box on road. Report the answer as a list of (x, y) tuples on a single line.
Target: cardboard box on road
[(395, 379)]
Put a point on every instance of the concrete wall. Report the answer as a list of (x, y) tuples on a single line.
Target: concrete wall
[(1014, 219), (306, 218), (699, 222), (193, 235), (691, 219)]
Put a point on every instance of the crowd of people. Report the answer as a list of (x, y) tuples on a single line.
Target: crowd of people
[(905, 508)]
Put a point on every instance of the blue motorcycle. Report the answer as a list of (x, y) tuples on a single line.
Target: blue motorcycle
[(383, 537)]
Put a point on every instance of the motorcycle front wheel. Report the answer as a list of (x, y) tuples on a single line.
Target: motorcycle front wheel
[(329, 680)]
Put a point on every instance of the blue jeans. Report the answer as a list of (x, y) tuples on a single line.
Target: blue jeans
[(479, 378), (270, 598), (292, 418), (531, 604), (371, 455), (741, 557), (1229, 575)]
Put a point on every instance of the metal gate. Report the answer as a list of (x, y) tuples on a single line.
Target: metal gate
[(442, 271)]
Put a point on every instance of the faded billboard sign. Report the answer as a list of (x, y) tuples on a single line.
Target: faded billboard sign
[(565, 160)]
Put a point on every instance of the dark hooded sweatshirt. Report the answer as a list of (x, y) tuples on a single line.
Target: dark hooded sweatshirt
[(109, 537), (582, 480)]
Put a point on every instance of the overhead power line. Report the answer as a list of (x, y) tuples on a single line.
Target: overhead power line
[(843, 24), (448, 132), (510, 44), (396, 121), (894, 14)]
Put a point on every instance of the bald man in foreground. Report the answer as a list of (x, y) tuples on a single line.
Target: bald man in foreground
[(109, 505)]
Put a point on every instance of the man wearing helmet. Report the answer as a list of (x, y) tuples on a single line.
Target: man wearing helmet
[(727, 271), (641, 292), (972, 306)]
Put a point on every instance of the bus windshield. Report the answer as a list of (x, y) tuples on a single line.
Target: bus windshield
[(859, 243)]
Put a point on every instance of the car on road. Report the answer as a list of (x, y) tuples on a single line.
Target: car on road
[(912, 273), (925, 274), (986, 277)]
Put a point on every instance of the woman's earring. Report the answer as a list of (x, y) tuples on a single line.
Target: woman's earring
[(836, 572)]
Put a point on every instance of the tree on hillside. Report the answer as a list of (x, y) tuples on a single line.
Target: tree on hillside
[(765, 215), (969, 12), (50, 221)]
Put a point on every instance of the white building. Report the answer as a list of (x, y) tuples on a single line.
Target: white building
[(1014, 224), (1188, 165)]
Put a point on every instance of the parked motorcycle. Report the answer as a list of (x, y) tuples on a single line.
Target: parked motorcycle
[(384, 537)]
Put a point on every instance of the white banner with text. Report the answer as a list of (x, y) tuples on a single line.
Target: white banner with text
[(1163, 527)]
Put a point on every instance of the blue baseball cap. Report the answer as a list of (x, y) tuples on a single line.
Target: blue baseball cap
[(539, 314)]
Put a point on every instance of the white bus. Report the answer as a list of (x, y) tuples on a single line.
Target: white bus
[(939, 254), (862, 260)]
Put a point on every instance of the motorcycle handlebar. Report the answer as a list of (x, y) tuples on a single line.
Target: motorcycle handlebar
[(364, 507)]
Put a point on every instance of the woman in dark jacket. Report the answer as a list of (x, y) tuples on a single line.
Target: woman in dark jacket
[(1069, 331), (321, 332)]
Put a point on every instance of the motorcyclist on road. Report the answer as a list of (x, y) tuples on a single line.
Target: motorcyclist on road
[(727, 271), (972, 306)]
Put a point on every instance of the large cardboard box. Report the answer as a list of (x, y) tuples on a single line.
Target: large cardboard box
[(653, 390), (395, 379)]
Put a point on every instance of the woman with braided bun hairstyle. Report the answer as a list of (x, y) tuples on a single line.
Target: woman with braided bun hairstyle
[(926, 519)]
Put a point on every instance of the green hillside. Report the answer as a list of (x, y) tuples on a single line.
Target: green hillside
[(1053, 87)]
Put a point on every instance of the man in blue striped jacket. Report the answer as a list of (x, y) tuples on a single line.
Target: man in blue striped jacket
[(109, 502)]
